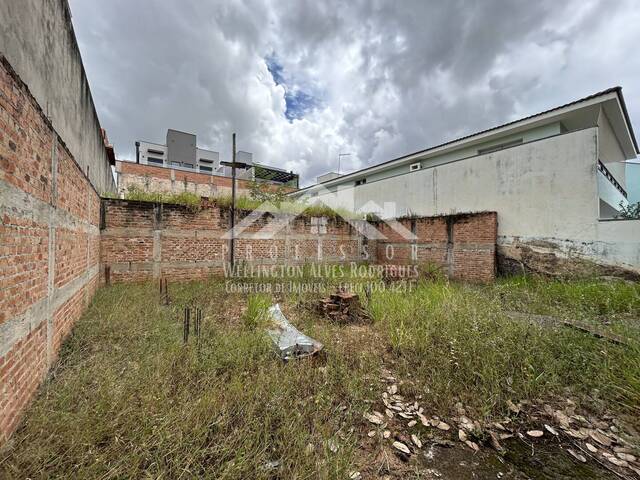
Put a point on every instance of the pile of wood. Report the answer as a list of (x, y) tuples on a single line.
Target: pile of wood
[(343, 307)]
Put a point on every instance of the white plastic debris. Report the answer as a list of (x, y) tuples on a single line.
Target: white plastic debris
[(288, 340)]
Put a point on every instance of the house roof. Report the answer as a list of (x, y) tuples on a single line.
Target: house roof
[(617, 90)]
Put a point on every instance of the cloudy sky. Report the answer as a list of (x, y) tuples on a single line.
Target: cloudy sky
[(302, 81)]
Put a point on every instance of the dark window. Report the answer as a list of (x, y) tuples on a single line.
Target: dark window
[(187, 165), (362, 181), (175, 164), (155, 160), (205, 169), (157, 152)]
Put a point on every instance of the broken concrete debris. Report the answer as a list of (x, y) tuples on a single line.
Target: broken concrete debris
[(289, 342)]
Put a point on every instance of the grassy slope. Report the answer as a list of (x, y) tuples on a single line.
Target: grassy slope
[(128, 400)]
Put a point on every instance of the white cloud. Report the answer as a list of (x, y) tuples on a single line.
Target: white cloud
[(392, 77)]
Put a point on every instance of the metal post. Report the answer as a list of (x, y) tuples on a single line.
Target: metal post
[(233, 199)]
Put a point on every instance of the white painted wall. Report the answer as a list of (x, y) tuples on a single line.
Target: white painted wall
[(610, 152), (544, 190)]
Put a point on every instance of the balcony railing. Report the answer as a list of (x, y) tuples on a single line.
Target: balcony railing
[(605, 171)]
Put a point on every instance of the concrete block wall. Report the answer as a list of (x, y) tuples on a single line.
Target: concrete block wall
[(38, 40), (49, 245)]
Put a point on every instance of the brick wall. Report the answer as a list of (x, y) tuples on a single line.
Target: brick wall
[(161, 179), (143, 240), (461, 246), (49, 245)]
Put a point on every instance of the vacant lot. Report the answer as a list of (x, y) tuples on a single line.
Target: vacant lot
[(128, 399)]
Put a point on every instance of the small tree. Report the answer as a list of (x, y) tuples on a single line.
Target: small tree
[(631, 211)]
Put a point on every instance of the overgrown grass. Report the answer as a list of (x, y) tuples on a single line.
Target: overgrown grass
[(188, 199), (244, 202), (460, 344), (129, 400), (256, 314)]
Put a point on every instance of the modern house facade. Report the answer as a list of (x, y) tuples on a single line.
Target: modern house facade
[(556, 179), (180, 165)]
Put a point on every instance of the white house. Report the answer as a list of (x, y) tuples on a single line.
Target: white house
[(556, 179)]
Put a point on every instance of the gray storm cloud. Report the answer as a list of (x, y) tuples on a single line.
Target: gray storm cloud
[(382, 78)]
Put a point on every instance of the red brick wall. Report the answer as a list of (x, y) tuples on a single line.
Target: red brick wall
[(158, 179), (49, 245), (142, 240), (461, 246)]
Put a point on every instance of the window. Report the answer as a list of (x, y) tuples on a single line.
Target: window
[(187, 165), (205, 169), (175, 164), (502, 146), (157, 152), (157, 161), (414, 166), (362, 181)]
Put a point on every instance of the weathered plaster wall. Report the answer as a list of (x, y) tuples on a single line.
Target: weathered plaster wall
[(38, 40), (543, 191)]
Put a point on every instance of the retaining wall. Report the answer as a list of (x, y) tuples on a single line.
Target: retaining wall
[(144, 240)]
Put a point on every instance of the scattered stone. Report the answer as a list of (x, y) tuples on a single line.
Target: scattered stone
[(626, 456), (416, 441), (499, 426), (402, 448), (443, 426), (375, 419), (472, 445), (535, 433), (386, 434), (618, 462), (424, 420), (550, 429), (513, 407), (462, 436), (577, 456), (562, 419), (333, 446), (494, 442), (310, 448), (393, 389), (389, 413), (412, 423), (581, 434), (371, 434), (591, 448), (601, 438), (355, 476)]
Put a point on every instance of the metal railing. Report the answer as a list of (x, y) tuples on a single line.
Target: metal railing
[(605, 171)]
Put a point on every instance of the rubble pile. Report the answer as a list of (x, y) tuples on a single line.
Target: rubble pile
[(343, 307), (404, 425)]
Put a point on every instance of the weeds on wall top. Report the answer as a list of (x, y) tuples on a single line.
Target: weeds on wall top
[(188, 199)]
